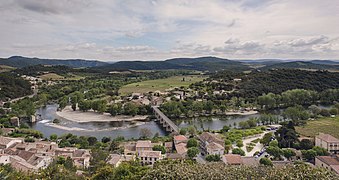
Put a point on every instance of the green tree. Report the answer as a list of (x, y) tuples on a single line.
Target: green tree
[(238, 151), (53, 137), (265, 161), (192, 152), (183, 131), (192, 143), (159, 148), (288, 153)]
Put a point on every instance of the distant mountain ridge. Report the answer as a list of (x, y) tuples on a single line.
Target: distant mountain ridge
[(303, 65), (20, 62), (200, 63)]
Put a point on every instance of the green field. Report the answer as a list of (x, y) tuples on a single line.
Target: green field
[(160, 84), (53, 76), (4, 68), (324, 125)]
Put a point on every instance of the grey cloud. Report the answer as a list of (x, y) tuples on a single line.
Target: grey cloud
[(233, 45), (53, 6)]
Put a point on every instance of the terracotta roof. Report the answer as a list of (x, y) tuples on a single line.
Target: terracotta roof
[(155, 154), (232, 159), (328, 160), (180, 138), (113, 159), (335, 168), (26, 155), (214, 146), (143, 144), (5, 140), (175, 156), (209, 137), (250, 161), (168, 144), (327, 138), (181, 148)]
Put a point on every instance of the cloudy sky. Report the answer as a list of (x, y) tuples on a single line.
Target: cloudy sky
[(156, 29)]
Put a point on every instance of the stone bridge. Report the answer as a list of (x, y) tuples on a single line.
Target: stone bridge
[(165, 121)]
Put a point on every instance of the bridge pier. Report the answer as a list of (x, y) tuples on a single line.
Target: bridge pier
[(165, 121)]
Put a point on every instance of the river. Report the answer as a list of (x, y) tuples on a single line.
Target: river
[(115, 129)]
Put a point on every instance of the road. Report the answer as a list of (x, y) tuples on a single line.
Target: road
[(35, 92)]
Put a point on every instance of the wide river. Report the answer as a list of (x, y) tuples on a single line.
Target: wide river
[(115, 129)]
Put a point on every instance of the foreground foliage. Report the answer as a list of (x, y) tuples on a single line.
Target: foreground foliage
[(187, 170)]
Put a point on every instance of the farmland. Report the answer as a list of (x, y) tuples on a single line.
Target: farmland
[(325, 125), (160, 84)]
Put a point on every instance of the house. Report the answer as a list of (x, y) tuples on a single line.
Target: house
[(175, 156), (6, 142), (211, 144), (114, 159), (149, 157), (143, 146), (236, 159), (15, 121), (7, 131), (214, 149), (232, 159), (169, 146), (181, 148), (130, 148), (328, 142), (328, 162), (180, 139)]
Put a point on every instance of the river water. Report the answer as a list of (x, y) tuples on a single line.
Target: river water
[(109, 129)]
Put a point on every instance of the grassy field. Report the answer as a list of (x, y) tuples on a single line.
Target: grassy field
[(160, 84), (4, 68), (53, 76), (324, 125)]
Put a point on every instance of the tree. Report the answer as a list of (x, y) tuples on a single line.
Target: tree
[(192, 130), (320, 151), (267, 138), (53, 137), (334, 111), (130, 109), (192, 152), (238, 151), (244, 125), (288, 153), (183, 131), (192, 143), (213, 158), (274, 151), (159, 148), (145, 133), (228, 145), (114, 145), (265, 161), (240, 143), (309, 154), (105, 139), (225, 129), (306, 144), (92, 140), (325, 113)]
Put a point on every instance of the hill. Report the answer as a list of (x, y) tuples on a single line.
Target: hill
[(200, 64), (301, 65), (10, 82), (20, 62)]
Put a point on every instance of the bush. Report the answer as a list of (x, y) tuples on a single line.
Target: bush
[(213, 158), (266, 162), (238, 151)]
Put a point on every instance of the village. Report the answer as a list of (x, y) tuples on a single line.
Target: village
[(203, 148)]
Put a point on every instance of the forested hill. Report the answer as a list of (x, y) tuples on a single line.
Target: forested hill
[(13, 86), (201, 63), (19, 62), (277, 81), (303, 65)]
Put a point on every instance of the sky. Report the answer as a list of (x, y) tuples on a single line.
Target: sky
[(112, 30)]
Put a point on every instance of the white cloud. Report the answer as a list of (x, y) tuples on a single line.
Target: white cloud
[(151, 29)]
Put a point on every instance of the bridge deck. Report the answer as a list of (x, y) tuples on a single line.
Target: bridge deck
[(165, 118)]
